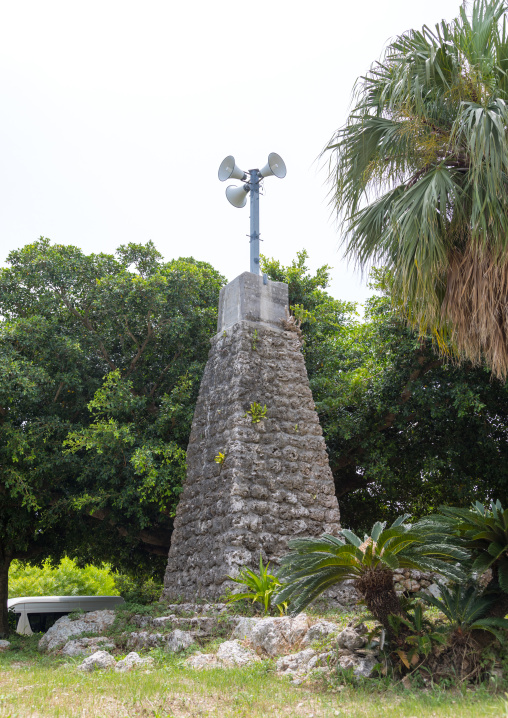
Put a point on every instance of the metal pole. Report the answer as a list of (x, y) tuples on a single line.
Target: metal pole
[(254, 220)]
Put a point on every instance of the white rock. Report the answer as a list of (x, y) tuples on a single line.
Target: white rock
[(346, 594), (302, 663), (351, 639), (131, 661), (174, 641), (319, 631), (272, 635), (65, 628), (322, 659), (362, 665), (199, 622), (198, 608), (434, 590), (199, 661), (296, 662), (87, 646), (141, 621), (232, 653), (4, 645), (179, 641), (99, 660)]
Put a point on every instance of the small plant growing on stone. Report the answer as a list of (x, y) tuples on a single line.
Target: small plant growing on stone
[(220, 458), (256, 412), (261, 588), (255, 338)]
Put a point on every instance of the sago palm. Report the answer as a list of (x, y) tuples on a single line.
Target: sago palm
[(467, 610), (420, 180), (484, 531), (314, 565)]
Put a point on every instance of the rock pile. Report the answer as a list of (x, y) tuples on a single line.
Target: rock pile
[(63, 629), (229, 655), (132, 660), (97, 661), (173, 642), (298, 645), (102, 660), (411, 581), (272, 637), (87, 646)]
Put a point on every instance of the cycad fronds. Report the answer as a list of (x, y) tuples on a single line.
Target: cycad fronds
[(485, 533), (419, 178), (466, 608), (313, 565)]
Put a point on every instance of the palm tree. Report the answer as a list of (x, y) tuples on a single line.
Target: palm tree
[(313, 565), (419, 178)]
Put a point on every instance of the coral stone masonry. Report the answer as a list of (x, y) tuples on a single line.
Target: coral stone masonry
[(254, 479)]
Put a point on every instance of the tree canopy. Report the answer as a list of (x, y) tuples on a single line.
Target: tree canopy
[(406, 430), (419, 177), (100, 363)]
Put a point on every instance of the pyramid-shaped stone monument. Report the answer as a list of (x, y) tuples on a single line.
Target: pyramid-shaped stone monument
[(274, 482)]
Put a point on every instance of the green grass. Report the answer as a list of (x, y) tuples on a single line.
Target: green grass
[(36, 685)]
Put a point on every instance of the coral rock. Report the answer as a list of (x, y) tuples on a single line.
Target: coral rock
[(97, 661)]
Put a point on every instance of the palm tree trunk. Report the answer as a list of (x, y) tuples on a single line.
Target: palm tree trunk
[(376, 588)]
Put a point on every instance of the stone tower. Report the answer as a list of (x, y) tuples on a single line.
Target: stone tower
[(275, 482)]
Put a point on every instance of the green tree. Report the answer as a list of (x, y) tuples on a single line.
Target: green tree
[(405, 430), (419, 178), (100, 363)]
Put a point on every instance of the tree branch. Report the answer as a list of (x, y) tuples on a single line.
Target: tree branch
[(159, 378), (88, 324), (141, 348), (60, 387)]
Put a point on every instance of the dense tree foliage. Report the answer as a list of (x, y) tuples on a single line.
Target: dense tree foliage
[(420, 179), (100, 363), (406, 430)]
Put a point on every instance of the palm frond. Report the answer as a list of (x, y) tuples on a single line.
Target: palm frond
[(419, 180)]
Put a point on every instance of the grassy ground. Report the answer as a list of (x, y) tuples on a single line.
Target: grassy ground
[(42, 687), (39, 686)]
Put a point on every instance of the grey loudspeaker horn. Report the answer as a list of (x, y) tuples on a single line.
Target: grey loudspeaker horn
[(229, 170), (275, 166), (237, 196)]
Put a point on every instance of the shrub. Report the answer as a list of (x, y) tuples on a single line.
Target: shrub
[(64, 579), (140, 592)]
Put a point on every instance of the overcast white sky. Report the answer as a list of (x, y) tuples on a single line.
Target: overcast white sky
[(116, 115)]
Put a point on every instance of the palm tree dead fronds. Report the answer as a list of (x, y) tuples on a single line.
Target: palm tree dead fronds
[(476, 306)]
